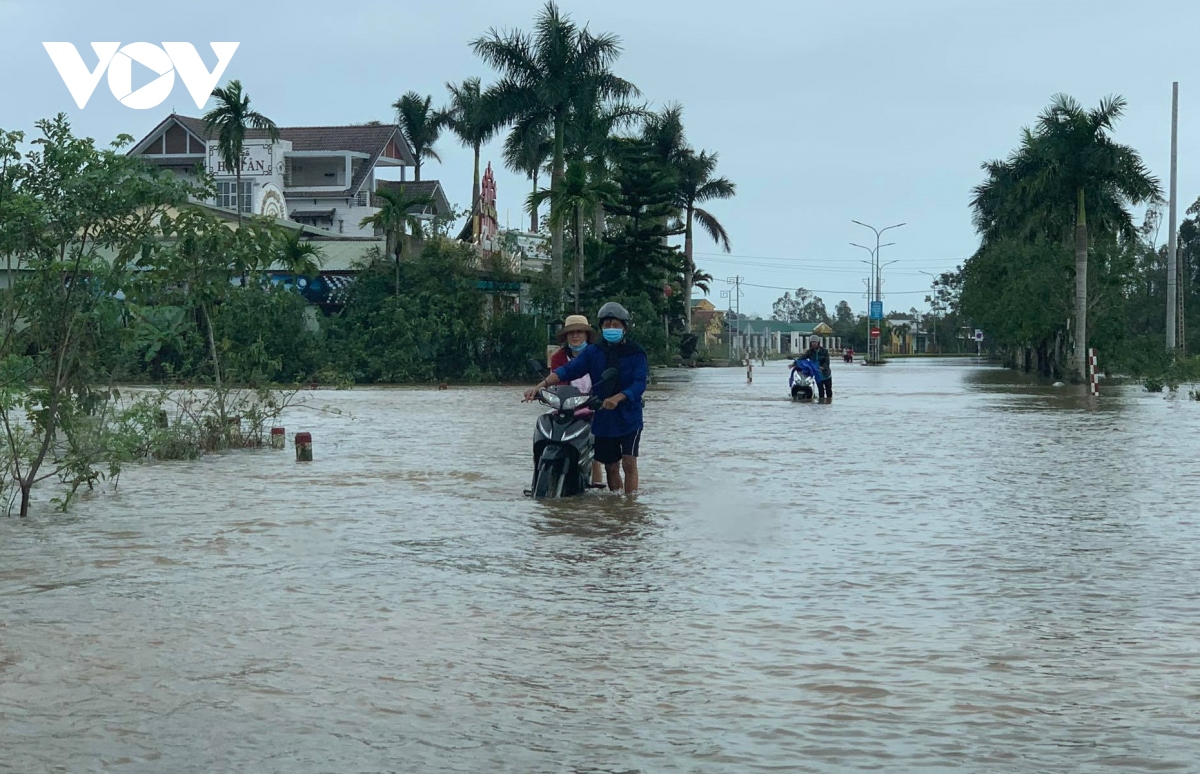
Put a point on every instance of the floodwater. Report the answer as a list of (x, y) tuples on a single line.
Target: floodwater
[(946, 569)]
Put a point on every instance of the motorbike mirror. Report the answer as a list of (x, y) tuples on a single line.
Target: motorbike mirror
[(536, 367), (609, 374)]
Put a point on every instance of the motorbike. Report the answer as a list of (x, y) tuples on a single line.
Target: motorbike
[(802, 382), (562, 440)]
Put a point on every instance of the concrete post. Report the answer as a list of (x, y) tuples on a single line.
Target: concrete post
[(304, 447)]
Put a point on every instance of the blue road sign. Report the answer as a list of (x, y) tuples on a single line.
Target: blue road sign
[(876, 310)]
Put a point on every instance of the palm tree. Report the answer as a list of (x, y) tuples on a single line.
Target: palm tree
[(471, 117), (664, 132), (395, 218), (579, 193), (590, 137), (697, 186), (527, 149), (231, 117), (541, 73), (1066, 165), (421, 127), (300, 257)]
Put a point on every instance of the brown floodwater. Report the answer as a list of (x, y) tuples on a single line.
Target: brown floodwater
[(948, 568)]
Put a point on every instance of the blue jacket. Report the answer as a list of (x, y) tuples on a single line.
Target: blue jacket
[(630, 360)]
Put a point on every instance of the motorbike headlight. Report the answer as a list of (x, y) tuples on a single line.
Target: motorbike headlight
[(552, 400), (570, 404)]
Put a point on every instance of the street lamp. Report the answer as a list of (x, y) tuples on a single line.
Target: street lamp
[(933, 308), (870, 277), (878, 293)]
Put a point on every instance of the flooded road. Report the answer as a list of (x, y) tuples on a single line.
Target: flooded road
[(945, 569)]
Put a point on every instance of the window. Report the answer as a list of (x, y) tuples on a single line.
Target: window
[(225, 196)]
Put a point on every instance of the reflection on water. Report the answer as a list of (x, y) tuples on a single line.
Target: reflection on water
[(950, 567)]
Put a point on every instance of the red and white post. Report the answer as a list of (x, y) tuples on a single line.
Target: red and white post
[(303, 447), (1093, 385)]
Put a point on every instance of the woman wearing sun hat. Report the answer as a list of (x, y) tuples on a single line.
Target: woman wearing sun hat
[(576, 334), (574, 337)]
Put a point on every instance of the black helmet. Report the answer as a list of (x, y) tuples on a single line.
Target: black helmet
[(613, 310)]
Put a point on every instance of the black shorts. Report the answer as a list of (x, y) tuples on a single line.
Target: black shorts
[(610, 450)]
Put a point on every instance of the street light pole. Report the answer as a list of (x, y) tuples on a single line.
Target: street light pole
[(933, 308), (878, 293), (872, 279)]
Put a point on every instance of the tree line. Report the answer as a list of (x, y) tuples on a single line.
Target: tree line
[(623, 178), (1063, 265)]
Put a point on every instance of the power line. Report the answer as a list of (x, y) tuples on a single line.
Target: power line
[(821, 258), (841, 269), (843, 292)]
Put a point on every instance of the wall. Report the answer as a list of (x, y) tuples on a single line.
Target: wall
[(317, 171)]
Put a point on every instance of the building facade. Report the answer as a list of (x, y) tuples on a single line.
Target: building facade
[(321, 176)]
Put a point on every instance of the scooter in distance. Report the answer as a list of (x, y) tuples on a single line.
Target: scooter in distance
[(562, 441)]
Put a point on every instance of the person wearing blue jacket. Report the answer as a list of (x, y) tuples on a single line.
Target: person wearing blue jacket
[(617, 426)]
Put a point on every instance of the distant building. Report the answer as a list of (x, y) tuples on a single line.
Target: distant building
[(906, 336), (323, 182), (780, 338), (320, 176), (707, 321)]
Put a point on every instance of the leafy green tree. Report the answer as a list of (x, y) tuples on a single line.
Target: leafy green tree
[(396, 218), (637, 259), (1066, 167), (74, 217)]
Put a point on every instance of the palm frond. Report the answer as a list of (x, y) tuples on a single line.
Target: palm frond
[(713, 227)]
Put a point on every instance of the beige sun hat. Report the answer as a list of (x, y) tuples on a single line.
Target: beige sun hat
[(576, 322)]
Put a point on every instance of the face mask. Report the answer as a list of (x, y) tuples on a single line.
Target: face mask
[(613, 335), (577, 347)]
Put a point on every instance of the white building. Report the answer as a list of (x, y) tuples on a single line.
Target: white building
[(322, 176)]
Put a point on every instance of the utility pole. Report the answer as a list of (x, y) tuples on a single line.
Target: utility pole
[(736, 298), (1173, 299)]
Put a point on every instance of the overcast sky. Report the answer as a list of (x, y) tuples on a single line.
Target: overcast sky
[(879, 111)]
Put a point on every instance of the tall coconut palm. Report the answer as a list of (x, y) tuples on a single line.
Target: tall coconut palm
[(697, 186), (540, 74), (1066, 166), (471, 116), (421, 127), (664, 132), (579, 194), (591, 137), (527, 149), (395, 219), (231, 117)]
